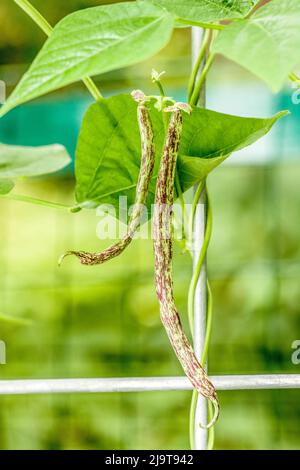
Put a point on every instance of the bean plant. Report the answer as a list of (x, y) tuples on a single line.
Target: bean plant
[(153, 149)]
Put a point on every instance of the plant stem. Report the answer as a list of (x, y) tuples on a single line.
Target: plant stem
[(36, 16), (294, 78), (191, 301), (36, 201), (198, 193), (92, 88), (211, 431), (254, 8), (197, 271), (160, 87), (182, 204), (196, 68), (197, 91), (203, 361)]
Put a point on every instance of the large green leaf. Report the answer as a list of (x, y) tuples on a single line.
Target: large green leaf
[(94, 41), (108, 152), (207, 11), (209, 138), (18, 161), (267, 43)]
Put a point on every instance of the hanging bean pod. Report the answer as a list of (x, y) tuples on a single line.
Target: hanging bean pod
[(163, 248), (146, 172)]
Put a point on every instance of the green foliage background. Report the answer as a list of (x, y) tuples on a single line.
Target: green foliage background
[(104, 321)]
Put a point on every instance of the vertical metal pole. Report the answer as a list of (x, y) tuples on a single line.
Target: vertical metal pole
[(201, 291)]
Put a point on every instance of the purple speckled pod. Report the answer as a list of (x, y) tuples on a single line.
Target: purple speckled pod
[(146, 172), (163, 247)]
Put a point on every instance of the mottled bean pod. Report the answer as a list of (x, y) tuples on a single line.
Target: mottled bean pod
[(146, 172), (163, 248)]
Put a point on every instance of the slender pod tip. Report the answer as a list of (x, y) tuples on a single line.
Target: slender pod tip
[(214, 419), (62, 258), (78, 254)]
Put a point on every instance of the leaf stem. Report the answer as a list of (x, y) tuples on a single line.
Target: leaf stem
[(254, 9), (36, 16), (160, 88), (92, 88), (36, 201), (294, 78)]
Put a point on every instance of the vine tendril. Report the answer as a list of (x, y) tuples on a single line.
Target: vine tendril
[(196, 68)]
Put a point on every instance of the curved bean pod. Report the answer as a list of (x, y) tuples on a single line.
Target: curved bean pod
[(146, 172)]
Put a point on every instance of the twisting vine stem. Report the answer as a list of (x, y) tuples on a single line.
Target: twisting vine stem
[(38, 18), (198, 87), (198, 63), (191, 301), (163, 250), (199, 265)]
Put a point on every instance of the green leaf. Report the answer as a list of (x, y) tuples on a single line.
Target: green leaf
[(108, 153), (209, 138), (94, 41), (267, 44), (6, 185), (207, 11), (18, 161)]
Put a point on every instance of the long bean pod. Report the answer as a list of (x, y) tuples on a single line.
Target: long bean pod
[(146, 172), (163, 248)]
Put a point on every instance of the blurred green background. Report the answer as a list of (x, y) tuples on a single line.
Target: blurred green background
[(104, 321)]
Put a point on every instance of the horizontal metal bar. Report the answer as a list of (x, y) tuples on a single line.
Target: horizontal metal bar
[(148, 384)]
